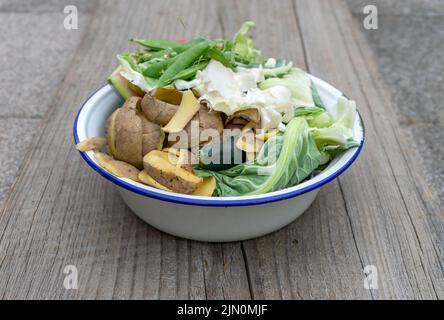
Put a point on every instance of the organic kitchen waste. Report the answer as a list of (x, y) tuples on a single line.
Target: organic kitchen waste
[(215, 117)]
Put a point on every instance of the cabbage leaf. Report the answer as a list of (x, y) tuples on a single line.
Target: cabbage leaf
[(298, 82), (133, 73), (243, 46), (337, 137)]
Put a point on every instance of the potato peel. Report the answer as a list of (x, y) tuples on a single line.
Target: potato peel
[(176, 178), (94, 143)]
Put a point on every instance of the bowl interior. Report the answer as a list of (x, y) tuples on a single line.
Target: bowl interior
[(91, 121)]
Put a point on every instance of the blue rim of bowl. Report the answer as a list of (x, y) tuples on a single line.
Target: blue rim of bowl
[(212, 202)]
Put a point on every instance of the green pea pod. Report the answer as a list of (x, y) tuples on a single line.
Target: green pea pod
[(190, 71), (155, 44), (217, 54), (183, 61), (159, 44), (162, 53), (155, 69)]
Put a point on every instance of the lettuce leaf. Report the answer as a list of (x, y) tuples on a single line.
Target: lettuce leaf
[(133, 74), (243, 46), (316, 97), (284, 161), (298, 82), (280, 68), (333, 139)]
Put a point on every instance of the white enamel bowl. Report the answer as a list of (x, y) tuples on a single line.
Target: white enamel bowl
[(211, 218)]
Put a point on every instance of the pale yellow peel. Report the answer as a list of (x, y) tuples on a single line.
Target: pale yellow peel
[(188, 107), (94, 143), (249, 143), (161, 168), (250, 125), (111, 133), (207, 187), (102, 158), (161, 159), (162, 140), (266, 135), (251, 156), (169, 95), (174, 151), (117, 167)]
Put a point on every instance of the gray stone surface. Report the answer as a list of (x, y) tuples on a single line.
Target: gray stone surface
[(15, 138), (400, 7), (409, 50), (40, 6), (36, 50), (35, 53)]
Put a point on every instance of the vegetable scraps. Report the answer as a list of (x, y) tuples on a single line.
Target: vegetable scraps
[(261, 124)]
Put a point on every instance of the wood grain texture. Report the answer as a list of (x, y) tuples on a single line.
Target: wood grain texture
[(380, 212), (65, 214), (390, 222), (315, 256)]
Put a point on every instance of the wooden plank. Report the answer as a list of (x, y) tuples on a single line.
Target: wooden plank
[(314, 257), (394, 229), (60, 212), (380, 212)]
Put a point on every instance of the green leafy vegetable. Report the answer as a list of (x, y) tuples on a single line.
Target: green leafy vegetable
[(181, 62), (190, 72), (284, 160), (243, 46), (133, 74), (320, 120), (281, 68), (298, 82), (158, 44), (154, 68), (339, 135), (307, 111), (313, 136), (316, 97), (222, 57)]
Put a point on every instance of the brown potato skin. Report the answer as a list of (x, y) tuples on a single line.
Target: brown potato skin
[(157, 111), (133, 103), (151, 134), (206, 120), (248, 114), (128, 136), (169, 179), (93, 143), (210, 120), (117, 167)]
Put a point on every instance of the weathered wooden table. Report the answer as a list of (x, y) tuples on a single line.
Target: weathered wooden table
[(379, 213)]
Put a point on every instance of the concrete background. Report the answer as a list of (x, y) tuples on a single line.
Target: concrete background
[(36, 51), (35, 54), (409, 50)]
